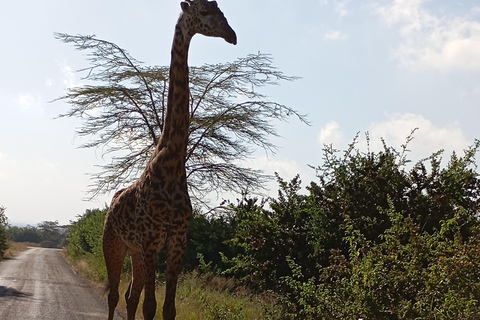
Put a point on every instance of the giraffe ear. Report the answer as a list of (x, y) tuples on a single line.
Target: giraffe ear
[(185, 6)]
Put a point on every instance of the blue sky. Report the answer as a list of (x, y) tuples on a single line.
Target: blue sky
[(380, 66)]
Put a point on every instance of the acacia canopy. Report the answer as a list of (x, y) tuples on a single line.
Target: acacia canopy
[(124, 103)]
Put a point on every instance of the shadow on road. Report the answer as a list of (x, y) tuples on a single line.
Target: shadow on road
[(6, 292)]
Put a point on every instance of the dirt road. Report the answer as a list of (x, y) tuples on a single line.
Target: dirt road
[(39, 284)]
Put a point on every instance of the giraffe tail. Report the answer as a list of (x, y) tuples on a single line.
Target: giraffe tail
[(106, 289)]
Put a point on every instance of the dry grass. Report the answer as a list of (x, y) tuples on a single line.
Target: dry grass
[(201, 297), (17, 247), (81, 266)]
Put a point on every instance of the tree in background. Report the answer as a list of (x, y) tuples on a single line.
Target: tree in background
[(24, 234), (53, 235), (3, 231), (123, 111), (47, 234)]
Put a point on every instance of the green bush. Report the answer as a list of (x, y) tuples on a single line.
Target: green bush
[(208, 236), (3, 231), (3, 240), (293, 228), (409, 275), (85, 240), (371, 239)]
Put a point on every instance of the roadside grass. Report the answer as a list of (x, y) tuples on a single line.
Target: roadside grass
[(81, 266), (211, 297), (17, 247), (199, 296)]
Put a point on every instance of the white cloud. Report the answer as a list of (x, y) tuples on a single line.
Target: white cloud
[(475, 10), (48, 82), (331, 134), (8, 165), (29, 102), (432, 42), (341, 9), (427, 139), (335, 35), (70, 78), (45, 164), (476, 90), (287, 169)]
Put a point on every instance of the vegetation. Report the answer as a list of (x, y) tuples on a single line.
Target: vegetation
[(15, 248), (25, 234), (12, 240), (229, 116), (48, 234), (202, 293), (7, 248), (84, 238), (372, 239), (375, 237), (213, 297), (3, 231)]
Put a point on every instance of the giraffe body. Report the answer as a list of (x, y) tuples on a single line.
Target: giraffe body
[(152, 214)]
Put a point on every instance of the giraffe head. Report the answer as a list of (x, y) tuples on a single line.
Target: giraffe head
[(204, 17)]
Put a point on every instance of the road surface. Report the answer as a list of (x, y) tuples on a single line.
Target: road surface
[(39, 284)]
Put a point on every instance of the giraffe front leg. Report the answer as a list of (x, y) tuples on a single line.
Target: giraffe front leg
[(175, 250), (149, 303)]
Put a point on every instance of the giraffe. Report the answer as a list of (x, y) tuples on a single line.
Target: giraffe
[(152, 215)]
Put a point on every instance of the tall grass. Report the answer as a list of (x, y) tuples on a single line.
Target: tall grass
[(199, 296), (211, 297), (17, 247)]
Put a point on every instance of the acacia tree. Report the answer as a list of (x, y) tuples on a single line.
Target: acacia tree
[(52, 233), (124, 108)]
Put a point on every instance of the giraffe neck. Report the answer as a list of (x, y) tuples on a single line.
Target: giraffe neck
[(174, 138)]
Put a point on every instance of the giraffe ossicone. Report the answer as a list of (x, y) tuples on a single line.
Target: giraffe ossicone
[(152, 215)]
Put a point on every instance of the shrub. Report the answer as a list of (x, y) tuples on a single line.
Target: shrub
[(85, 240), (3, 240), (409, 275), (3, 231), (370, 239), (292, 229)]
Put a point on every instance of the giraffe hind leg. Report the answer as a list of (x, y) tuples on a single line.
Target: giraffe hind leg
[(114, 252), (132, 296)]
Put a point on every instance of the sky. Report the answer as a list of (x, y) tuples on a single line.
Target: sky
[(383, 66)]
